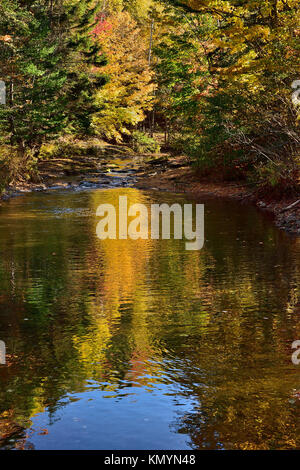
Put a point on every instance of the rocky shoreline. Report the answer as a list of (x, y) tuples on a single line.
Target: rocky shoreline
[(108, 175), (165, 174)]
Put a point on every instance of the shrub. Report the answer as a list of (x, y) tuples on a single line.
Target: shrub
[(277, 177), (16, 166), (142, 143)]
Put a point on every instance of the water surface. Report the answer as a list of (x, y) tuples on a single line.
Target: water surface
[(141, 344)]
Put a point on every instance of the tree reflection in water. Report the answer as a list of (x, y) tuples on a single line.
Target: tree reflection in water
[(210, 329)]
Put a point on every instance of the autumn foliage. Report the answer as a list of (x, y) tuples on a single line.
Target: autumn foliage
[(129, 91)]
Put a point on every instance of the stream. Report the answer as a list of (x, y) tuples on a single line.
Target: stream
[(141, 344)]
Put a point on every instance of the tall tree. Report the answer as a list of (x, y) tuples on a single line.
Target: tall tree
[(50, 64), (129, 90), (244, 104)]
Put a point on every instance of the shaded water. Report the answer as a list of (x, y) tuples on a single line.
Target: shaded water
[(142, 344)]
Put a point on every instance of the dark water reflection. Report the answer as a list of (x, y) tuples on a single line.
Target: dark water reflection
[(142, 344)]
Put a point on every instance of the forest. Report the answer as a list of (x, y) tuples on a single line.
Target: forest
[(213, 80)]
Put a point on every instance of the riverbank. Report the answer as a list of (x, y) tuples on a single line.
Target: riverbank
[(73, 165), (177, 175), (151, 172)]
